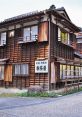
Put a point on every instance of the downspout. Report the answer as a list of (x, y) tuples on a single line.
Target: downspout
[(49, 57)]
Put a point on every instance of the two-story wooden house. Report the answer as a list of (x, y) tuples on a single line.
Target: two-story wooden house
[(37, 48)]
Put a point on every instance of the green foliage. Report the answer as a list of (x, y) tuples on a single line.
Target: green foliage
[(41, 94), (71, 91)]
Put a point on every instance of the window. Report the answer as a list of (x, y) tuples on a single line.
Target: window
[(17, 69), (81, 71), (76, 70), (21, 69), (62, 71), (63, 36), (11, 33), (3, 38), (1, 72), (66, 71), (30, 33), (26, 34), (72, 71), (34, 32)]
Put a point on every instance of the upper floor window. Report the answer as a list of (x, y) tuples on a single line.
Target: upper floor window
[(63, 36), (3, 38), (30, 33), (11, 33)]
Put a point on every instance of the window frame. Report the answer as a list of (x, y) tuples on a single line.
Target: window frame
[(11, 33), (66, 39), (2, 77), (27, 39), (20, 72), (1, 39)]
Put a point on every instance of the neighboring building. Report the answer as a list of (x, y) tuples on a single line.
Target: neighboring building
[(79, 42), (38, 48)]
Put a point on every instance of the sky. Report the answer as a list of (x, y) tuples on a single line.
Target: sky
[(11, 8)]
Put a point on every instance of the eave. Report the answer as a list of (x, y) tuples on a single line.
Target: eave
[(38, 15), (65, 21)]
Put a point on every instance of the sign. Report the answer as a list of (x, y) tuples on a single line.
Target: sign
[(41, 66)]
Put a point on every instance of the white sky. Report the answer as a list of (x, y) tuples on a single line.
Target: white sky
[(10, 8)]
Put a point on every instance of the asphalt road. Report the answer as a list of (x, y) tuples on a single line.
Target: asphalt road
[(67, 106)]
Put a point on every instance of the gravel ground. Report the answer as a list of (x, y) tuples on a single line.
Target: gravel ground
[(67, 106)]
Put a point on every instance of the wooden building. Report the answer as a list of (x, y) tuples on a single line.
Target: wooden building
[(38, 48)]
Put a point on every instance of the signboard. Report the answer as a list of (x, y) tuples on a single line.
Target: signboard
[(41, 66)]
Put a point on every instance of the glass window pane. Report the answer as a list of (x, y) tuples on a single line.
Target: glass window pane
[(2, 75), (76, 70), (24, 69), (26, 34), (64, 37), (17, 69), (64, 71), (68, 70), (72, 71), (59, 34), (34, 32), (1, 72), (3, 38), (61, 71), (81, 71), (11, 33)]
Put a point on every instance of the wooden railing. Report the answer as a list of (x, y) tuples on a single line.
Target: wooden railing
[(70, 43), (27, 39)]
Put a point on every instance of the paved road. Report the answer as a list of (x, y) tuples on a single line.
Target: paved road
[(67, 106)]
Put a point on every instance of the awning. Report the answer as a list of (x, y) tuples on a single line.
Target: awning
[(65, 61), (78, 54), (61, 60), (3, 61), (69, 62)]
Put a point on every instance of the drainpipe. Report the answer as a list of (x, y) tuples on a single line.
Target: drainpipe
[(49, 59)]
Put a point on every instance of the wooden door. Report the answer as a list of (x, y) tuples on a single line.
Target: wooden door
[(53, 73), (8, 73)]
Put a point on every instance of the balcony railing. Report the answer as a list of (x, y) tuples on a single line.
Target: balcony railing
[(28, 39), (68, 43), (3, 42)]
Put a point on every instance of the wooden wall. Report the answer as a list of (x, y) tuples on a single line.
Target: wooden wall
[(25, 53), (59, 50)]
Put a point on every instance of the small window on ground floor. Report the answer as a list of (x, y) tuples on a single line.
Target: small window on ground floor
[(1, 72), (76, 70), (21, 69)]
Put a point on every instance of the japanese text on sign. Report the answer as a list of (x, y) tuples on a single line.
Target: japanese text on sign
[(41, 66)]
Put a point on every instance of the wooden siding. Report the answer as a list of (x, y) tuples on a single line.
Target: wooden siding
[(43, 32), (24, 53), (59, 50)]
